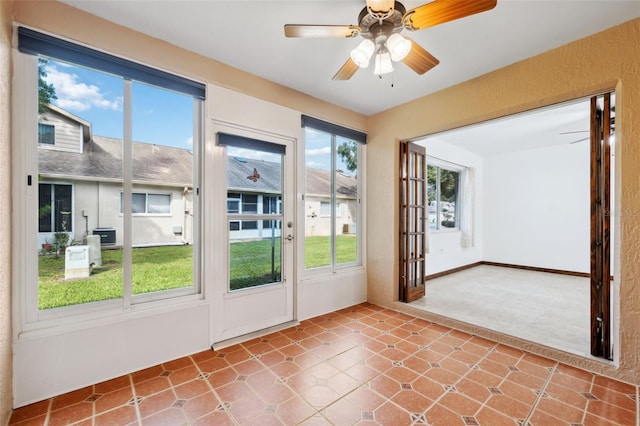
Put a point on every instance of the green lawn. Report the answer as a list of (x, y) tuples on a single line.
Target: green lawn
[(317, 250), (154, 269), (163, 268)]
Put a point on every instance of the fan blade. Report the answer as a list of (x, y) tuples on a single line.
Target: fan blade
[(574, 131), (580, 140), (441, 11), (347, 71), (419, 59), (319, 31)]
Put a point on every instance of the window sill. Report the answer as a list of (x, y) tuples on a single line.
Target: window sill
[(444, 231), (312, 275), (98, 318)]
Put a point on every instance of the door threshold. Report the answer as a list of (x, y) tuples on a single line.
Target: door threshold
[(246, 337)]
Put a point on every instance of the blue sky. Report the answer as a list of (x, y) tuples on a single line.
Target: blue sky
[(159, 116)]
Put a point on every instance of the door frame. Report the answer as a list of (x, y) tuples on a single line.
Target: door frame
[(224, 302), (413, 221)]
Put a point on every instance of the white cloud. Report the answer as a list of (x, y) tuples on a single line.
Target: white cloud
[(316, 165), (189, 141), (319, 151), (253, 154), (75, 95)]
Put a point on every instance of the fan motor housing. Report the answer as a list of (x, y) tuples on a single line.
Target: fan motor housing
[(374, 29)]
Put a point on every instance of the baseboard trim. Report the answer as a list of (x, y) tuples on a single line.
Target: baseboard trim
[(246, 337), (508, 265), (452, 271), (537, 269)]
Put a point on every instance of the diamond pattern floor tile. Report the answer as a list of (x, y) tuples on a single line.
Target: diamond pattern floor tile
[(360, 365)]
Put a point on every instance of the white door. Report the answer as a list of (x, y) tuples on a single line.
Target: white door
[(257, 291)]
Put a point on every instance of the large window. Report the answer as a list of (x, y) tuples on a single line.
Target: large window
[(332, 199), (444, 199), (124, 127)]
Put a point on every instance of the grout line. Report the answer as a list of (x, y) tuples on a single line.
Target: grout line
[(135, 399), (49, 408), (95, 409), (213, 390), (542, 391)]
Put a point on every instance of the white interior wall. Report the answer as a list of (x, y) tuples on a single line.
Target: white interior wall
[(536, 208), (445, 252)]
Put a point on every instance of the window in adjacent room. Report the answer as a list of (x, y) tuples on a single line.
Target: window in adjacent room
[(444, 197)]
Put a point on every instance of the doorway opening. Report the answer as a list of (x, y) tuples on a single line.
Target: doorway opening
[(517, 224)]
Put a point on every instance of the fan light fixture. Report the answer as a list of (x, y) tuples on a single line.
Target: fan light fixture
[(362, 54), (398, 46), (380, 5), (395, 49), (383, 63)]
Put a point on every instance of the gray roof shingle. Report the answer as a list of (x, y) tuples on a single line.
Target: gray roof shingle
[(102, 159)]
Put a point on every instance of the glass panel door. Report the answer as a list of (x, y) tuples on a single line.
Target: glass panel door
[(257, 188), (254, 216)]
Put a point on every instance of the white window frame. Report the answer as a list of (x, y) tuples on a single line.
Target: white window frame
[(146, 203), (335, 268), (28, 317), (442, 164)]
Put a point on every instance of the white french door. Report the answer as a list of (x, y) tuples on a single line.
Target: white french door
[(256, 250)]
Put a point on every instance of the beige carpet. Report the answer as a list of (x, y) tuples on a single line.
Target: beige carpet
[(545, 308)]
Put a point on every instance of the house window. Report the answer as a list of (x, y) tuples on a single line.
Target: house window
[(156, 253), (142, 203), (325, 209), (46, 134), (233, 203), (332, 172), (55, 211), (271, 205), (249, 204), (443, 193), (245, 204)]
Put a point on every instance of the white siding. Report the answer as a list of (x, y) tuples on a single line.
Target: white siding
[(68, 135)]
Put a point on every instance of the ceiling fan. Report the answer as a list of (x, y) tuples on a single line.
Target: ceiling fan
[(380, 24), (599, 113)]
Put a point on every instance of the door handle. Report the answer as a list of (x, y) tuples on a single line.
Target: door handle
[(289, 237)]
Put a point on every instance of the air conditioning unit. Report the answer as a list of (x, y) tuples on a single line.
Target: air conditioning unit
[(107, 235), (76, 262)]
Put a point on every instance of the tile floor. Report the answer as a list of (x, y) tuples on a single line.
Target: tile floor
[(550, 309), (364, 365)]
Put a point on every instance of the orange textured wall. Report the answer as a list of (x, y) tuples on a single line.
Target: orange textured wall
[(603, 61)]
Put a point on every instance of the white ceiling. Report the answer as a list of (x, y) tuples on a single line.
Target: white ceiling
[(249, 35), (556, 125)]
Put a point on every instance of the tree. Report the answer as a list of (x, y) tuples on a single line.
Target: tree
[(348, 151), (46, 91)]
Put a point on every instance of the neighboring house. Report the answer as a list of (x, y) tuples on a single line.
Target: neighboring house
[(80, 189), (80, 178), (318, 205)]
